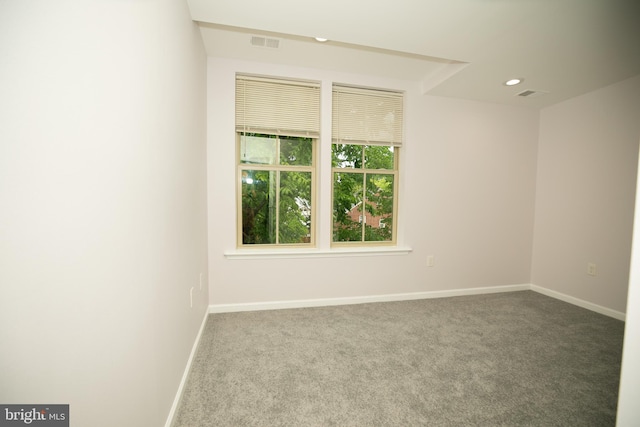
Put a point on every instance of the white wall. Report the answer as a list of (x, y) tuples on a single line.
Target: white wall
[(103, 205), (585, 194), (467, 197), (628, 409)]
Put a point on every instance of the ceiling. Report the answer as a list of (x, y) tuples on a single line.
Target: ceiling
[(454, 48)]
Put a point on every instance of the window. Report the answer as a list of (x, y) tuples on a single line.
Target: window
[(277, 126), (277, 146), (366, 138)]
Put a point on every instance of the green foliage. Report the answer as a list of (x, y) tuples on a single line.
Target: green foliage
[(285, 212), (296, 151), (295, 207), (276, 204), (380, 205), (347, 202), (257, 206), (356, 185), (379, 157), (347, 156)]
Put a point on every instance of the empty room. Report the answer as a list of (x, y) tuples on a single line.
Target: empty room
[(294, 213)]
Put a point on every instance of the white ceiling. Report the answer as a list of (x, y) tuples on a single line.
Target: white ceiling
[(456, 48)]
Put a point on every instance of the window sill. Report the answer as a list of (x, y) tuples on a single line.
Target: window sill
[(316, 253)]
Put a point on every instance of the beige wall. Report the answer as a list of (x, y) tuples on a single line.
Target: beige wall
[(585, 194), (467, 198), (102, 205)]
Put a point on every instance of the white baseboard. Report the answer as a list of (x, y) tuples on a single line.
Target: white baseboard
[(323, 302), (185, 375), (580, 303), (276, 305)]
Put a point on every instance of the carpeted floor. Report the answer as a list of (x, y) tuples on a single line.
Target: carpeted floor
[(508, 359)]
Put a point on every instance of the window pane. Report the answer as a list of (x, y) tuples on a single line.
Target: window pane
[(378, 157), (295, 207), (347, 207), (257, 149), (379, 208), (258, 207), (296, 151), (346, 156)]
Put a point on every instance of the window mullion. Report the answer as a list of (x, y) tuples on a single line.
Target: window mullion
[(277, 206), (277, 190), (364, 206)]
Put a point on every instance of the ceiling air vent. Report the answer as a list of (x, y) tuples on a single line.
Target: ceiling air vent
[(531, 93), (259, 41)]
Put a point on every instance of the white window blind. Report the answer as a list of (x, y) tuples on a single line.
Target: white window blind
[(367, 116), (279, 107)]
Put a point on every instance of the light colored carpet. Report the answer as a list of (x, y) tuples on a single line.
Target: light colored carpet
[(508, 359)]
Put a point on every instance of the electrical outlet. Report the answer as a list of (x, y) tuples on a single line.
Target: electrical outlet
[(430, 261), (591, 269)]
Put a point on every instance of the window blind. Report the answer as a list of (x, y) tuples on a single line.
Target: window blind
[(367, 116), (281, 107)]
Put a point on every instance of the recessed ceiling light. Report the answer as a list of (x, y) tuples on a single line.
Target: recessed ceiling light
[(513, 82), (321, 39)]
